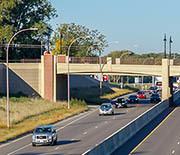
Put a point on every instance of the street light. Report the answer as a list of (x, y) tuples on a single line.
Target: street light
[(125, 53), (128, 52), (164, 45), (170, 42), (68, 82), (7, 71)]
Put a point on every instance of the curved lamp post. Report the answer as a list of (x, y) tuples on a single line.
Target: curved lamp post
[(128, 52), (7, 71), (68, 82)]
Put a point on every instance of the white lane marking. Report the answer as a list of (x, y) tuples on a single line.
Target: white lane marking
[(178, 143), (96, 127), (75, 120), (173, 151), (57, 148), (3, 145), (106, 122), (56, 130), (86, 152), (19, 149), (84, 133)]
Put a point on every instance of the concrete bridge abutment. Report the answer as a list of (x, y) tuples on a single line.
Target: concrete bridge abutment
[(167, 80), (54, 86)]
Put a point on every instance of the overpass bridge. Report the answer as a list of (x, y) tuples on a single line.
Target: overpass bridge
[(48, 77)]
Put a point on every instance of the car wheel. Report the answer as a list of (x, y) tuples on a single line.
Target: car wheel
[(52, 143), (99, 114), (33, 144), (55, 142)]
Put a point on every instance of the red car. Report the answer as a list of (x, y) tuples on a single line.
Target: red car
[(141, 94)]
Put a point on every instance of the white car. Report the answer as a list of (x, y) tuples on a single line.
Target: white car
[(106, 109)]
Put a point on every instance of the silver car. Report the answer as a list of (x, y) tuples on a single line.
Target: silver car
[(106, 108), (43, 135)]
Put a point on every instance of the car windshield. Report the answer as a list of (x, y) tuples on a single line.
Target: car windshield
[(140, 92), (43, 130), (105, 106), (153, 88), (132, 96), (155, 95), (120, 100)]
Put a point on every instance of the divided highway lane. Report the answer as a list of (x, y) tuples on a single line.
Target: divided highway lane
[(80, 133), (164, 139)]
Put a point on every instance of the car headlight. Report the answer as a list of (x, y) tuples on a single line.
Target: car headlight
[(49, 137), (33, 137)]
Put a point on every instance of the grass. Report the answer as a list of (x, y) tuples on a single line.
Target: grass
[(26, 115), (93, 95)]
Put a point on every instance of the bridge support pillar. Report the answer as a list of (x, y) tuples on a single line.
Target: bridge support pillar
[(49, 78), (165, 79)]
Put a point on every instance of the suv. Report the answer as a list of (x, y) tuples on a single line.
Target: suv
[(44, 134), (120, 102)]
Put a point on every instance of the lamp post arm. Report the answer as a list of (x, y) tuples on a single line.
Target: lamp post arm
[(7, 71), (68, 74)]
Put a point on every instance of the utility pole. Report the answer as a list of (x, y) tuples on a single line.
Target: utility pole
[(61, 37), (165, 45), (170, 42), (48, 39)]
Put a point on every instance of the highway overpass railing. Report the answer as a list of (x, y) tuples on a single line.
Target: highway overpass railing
[(95, 60)]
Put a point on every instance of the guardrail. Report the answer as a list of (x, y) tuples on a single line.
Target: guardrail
[(110, 144)]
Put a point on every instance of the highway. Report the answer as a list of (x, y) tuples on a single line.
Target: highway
[(160, 137), (78, 134), (164, 139)]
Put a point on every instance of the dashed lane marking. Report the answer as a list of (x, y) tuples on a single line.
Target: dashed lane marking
[(152, 132)]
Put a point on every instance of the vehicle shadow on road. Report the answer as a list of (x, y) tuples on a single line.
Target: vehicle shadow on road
[(64, 142), (119, 113)]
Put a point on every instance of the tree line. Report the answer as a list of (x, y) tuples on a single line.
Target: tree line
[(16, 15)]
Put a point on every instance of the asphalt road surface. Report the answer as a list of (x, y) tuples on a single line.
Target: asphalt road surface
[(160, 137), (80, 133)]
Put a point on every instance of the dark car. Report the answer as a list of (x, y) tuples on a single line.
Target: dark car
[(153, 89), (155, 97), (133, 99), (120, 103)]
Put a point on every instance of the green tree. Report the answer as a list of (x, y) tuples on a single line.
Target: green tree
[(91, 42), (118, 54), (16, 15)]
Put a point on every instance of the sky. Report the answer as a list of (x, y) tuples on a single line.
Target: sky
[(136, 25)]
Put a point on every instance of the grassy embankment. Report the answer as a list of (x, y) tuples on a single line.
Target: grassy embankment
[(94, 95), (27, 113)]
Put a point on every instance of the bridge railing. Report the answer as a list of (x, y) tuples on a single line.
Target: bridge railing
[(140, 61), (176, 62), (22, 61), (95, 60)]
